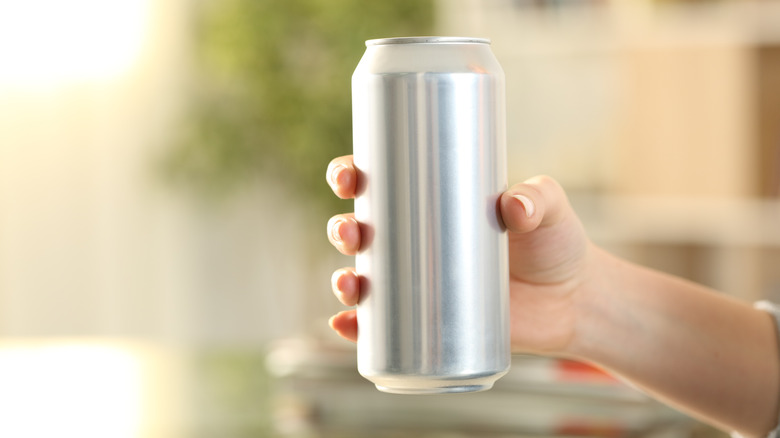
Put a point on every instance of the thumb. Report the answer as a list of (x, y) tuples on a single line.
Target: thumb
[(537, 202)]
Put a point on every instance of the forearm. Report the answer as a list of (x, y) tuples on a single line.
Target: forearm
[(705, 353)]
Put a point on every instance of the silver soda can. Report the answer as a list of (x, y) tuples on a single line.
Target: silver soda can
[(429, 149)]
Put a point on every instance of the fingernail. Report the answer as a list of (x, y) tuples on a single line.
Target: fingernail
[(334, 230), (330, 321), (333, 176), (528, 204), (334, 280)]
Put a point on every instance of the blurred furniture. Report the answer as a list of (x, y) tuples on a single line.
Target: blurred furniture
[(318, 393), (661, 119)]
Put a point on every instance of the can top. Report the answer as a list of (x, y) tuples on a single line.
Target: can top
[(427, 40)]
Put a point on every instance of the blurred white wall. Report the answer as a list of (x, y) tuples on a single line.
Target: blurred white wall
[(92, 242), (84, 236)]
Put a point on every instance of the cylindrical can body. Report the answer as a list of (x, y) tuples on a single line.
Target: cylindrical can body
[(430, 149)]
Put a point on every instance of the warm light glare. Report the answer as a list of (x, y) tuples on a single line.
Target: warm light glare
[(50, 42), (69, 390)]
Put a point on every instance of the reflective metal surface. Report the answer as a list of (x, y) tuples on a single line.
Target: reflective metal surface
[(429, 145)]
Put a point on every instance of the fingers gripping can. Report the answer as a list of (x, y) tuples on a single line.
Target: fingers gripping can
[(429, 149)]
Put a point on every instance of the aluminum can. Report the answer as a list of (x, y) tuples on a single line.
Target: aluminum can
[(429, 148)]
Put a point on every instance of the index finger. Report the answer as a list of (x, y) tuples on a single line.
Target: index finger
[(342, 177)]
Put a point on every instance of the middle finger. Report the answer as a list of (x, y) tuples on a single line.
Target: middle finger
[(344, 233)]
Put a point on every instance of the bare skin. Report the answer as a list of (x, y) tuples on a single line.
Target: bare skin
[(702, 352)]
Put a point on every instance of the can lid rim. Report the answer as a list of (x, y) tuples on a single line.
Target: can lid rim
[(427, 40)]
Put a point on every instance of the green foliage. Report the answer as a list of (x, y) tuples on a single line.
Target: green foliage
[(273, 92)]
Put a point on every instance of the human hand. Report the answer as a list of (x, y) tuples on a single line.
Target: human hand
[(550, 260)]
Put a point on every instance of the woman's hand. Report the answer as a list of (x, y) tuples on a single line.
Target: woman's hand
[(549, 259)]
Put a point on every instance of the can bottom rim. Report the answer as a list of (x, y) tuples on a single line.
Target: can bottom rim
[(441, 390), (422, 384)]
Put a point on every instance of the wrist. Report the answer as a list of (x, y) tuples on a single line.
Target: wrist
[(596, 307), (702, 352)]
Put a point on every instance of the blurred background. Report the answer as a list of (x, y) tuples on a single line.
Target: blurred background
[(164, 270)]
